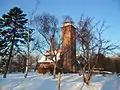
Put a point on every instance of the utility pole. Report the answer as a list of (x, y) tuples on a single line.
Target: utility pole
[(59, 77)]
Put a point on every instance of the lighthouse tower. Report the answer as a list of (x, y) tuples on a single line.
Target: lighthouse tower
[(69, 46)]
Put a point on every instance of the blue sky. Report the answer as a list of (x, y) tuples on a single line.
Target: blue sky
[(108, 10)]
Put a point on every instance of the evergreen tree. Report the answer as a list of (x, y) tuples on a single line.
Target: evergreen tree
[(14, 34)]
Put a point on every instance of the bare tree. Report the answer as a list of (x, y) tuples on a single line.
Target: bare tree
[(91, 44), (46, 26), (47, 30), (28, 42)]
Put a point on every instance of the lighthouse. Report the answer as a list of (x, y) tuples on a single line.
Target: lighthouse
[(69, 46)]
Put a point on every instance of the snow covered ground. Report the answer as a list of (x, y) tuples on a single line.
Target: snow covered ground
[(68, 82)]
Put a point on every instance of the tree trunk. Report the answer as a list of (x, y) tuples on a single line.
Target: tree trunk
[(28, 58), (26, 68), (36, 67), (8, 62), (54, 71), (87, 78), (59, 77)]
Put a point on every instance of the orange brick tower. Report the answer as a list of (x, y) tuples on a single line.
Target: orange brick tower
[(69, 46)]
